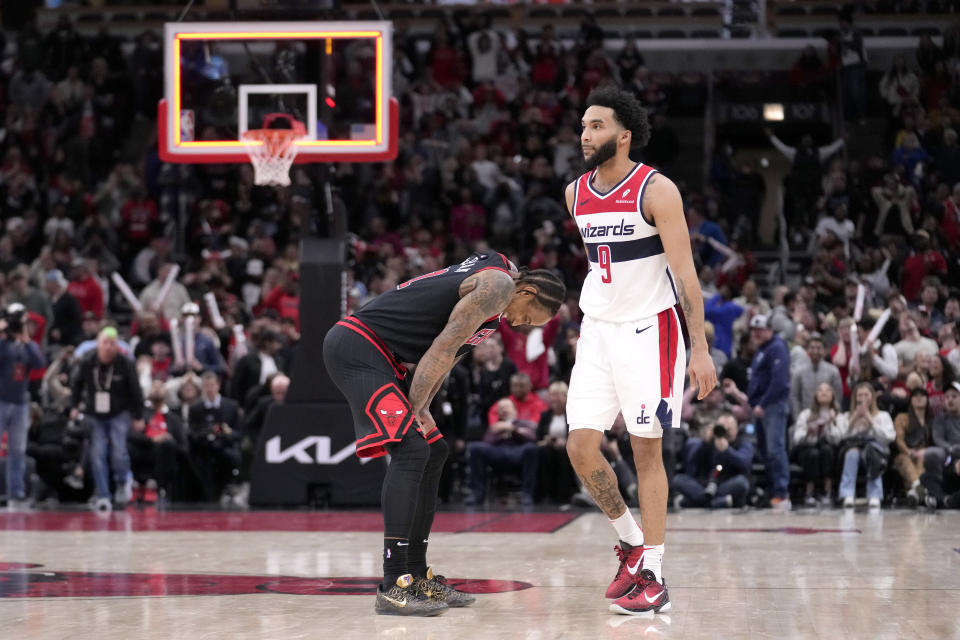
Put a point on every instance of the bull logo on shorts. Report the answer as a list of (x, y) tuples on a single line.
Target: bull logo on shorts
[(389, 410)]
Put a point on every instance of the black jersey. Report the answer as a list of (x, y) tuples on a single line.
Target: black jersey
[(410, 317)]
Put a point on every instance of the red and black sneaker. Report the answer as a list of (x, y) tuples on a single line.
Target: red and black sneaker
[(631, 559), (648, 598)]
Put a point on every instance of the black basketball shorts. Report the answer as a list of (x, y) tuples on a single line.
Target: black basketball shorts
[(374, 384)]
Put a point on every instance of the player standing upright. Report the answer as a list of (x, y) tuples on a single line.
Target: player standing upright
[(631, 355)]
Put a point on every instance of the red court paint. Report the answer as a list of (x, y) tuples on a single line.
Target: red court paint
[(91, 584), (153, 520)]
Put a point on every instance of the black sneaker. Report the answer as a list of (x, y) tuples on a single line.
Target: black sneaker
[(436, 588), (404, 600)]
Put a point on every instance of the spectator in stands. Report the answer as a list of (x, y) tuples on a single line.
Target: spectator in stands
[(67, 325), (911, 342), (716, 469), (900, 87), (940, 377), (528, 347), (896, 205), (31, 298), (805, 383), (769, 395), (722, 312), (529, 406), (815, 437), (214, 439), (806, 174), (941, 476), (106, 387), (156, 446), (913, 440), (19, 355), (278, 386), (508, 446), (174, 299), (924, 262), (256, 367), (557, 478), (85, 288), (853, 68), (284, 298), (949, 346), (490, 375), (719, 357), (206, 356), (866, 433)]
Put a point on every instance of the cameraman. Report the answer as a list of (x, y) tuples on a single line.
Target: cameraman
[(715, 470), (18, 356)]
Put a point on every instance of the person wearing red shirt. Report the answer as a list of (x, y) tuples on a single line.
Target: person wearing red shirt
[(924, 262), (515, 344), (529, 406), (285, 298), (85, 288), (510, 442), (139, 214)]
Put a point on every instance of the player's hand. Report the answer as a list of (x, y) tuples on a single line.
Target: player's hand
[(702, 373), (426, 422)]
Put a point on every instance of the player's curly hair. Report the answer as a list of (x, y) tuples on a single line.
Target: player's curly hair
[(551, 292), (626, 109)]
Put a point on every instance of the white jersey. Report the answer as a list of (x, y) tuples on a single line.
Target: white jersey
[(629, 277)]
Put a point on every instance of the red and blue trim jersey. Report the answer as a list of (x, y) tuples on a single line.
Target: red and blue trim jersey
[(629, 276)]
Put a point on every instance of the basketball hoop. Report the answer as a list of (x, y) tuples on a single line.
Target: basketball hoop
[(272, 151)]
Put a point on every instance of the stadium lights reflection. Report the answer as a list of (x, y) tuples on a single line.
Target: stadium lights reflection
[(773, 112)]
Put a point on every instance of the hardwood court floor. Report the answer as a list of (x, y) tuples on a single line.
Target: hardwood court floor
[(215, 575)]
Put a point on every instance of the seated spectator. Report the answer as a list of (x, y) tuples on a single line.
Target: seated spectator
[(807, 381), (815, 437), (173, 299), (557, 478), (509, 446), (941, 478), (940, 377), (913, 440), (252, 426), (490, 376), (156, 446), (529, 406), (865, 434), (253, 369), (949, 346), (214, 439), (715, 469)]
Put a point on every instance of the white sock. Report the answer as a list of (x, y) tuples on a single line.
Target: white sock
[(653, 560), (628, 529)]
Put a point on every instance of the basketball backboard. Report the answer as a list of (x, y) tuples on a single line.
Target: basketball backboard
[(223, 78)]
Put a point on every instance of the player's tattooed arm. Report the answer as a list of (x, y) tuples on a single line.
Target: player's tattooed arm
[(661, 201), (603, 488), (489, 297)]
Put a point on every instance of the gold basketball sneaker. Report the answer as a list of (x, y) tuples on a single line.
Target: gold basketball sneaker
[(436, 588), (404, 599)]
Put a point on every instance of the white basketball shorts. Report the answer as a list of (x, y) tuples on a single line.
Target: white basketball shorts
[(637, 367)]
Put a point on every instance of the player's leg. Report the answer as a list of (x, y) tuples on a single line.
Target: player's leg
[(592, 406), (649, 372), (384, 423)]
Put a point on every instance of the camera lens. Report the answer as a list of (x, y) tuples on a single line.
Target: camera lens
[(719, 431)]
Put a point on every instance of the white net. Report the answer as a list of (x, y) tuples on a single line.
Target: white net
[(272, 151)]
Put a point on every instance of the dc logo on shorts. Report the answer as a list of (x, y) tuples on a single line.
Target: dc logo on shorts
[(643, 419)]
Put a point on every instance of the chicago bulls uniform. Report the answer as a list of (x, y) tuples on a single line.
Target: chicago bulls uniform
[(630, 355), (364, 353)]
